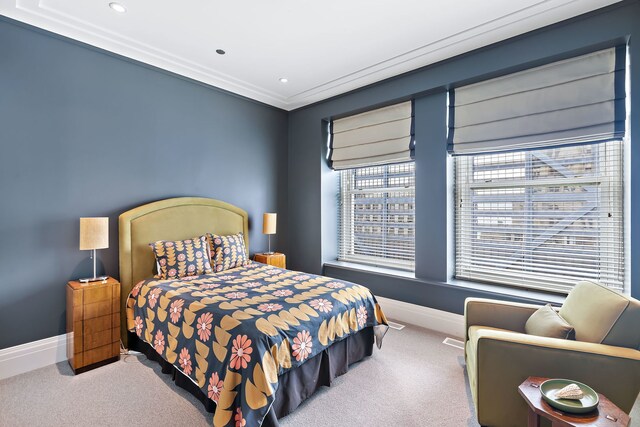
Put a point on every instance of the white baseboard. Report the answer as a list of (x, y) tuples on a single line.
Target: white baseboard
[(442, 321), (32, 355)]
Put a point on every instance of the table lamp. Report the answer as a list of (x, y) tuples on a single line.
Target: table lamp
[(94, 234), (269, 227)]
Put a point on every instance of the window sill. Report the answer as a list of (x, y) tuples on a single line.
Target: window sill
[(508, 291), (492, 291), (371, 269)]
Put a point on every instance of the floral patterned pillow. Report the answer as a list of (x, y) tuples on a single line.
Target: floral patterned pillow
[(182, 258), (227, 251)]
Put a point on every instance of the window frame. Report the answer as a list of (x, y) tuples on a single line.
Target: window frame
[(347, 212), (463, 257)]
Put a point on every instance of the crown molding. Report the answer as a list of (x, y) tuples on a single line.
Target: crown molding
[(542, 13), (32, 12)]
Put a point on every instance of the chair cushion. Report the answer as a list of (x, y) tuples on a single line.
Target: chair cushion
[(602, 315), (546, 322)]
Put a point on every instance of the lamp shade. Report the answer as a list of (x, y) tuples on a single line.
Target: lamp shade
[(94, 233), (269, 223)]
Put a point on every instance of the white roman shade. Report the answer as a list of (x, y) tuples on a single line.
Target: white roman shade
[(372, 138), (578, 100)]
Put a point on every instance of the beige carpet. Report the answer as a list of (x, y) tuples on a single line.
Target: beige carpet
[(415, 380)]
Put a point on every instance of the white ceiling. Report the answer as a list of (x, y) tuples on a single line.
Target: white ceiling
[(324, 48)]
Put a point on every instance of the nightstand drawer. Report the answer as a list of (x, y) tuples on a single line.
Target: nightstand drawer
[(97, 294), (97, 339), (98, 309), (102, 323), (100, 354)]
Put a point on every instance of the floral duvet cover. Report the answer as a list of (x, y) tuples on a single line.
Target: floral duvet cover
[(234, 332)]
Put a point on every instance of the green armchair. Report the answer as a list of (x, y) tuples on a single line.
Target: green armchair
[(500, 355)]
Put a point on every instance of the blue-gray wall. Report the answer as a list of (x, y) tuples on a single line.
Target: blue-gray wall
[(312, 185), (87, 133)]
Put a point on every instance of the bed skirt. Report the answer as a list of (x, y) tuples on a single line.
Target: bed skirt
[(296, 385)]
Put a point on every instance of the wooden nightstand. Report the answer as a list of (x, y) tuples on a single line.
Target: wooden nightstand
[(93, 324), (276, 259)]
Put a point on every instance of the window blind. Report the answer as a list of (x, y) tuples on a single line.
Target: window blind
[(542, 219), (377, 216), (375, 137), (577, 100)]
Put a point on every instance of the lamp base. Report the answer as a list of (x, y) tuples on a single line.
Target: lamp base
[(268, 253), (93, 279)]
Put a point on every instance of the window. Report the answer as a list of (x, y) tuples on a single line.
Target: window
[(377, 215), (542, 219)]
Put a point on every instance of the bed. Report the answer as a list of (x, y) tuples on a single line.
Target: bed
[(251, 342)]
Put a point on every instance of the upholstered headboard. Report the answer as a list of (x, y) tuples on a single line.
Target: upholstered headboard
[(171, 219)]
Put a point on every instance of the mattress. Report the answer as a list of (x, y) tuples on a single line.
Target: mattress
[(236, 333)]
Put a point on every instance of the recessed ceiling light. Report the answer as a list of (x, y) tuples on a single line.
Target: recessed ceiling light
[(283, 80), (220, 52), (117, 7)]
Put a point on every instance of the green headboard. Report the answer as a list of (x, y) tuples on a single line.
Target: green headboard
[(171, 219)]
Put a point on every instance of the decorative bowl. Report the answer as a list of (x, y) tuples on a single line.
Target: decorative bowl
[(586, 404)]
